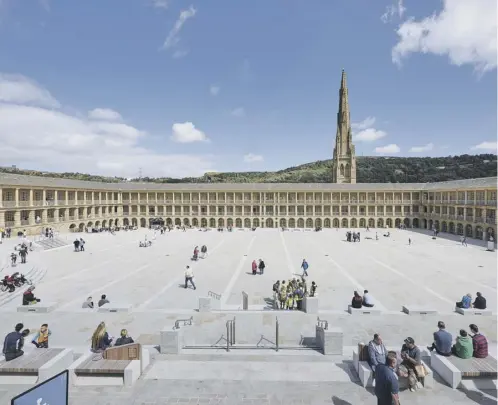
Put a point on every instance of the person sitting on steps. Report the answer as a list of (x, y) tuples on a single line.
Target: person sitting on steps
[(88, 303), (124, 339), (28, 298), (103, 300), (442, 341), (100, 339), (14, 343), (463, 347), (40, 340), (357, 300), (367, 300), (466, 302), (480, 302)]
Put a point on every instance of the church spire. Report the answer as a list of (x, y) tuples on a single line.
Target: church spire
[(344, 165)]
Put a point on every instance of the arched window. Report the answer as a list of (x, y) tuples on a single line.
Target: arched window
[(348, 170), (342, 170)]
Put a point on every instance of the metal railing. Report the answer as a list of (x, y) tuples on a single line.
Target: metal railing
[(322, 323), (186, 322), (214, 295), (277, 330), (230, 333)]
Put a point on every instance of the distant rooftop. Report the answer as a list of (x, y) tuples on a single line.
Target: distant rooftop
[(19, 180)]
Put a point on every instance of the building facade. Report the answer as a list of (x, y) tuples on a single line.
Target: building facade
[(463, 207)]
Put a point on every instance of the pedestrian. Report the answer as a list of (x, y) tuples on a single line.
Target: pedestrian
[(304, 266), (261, 266), (82, 245), (189, 277), (386, 383), (409, 242), (254, 267)]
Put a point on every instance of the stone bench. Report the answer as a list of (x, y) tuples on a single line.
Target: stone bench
[(119, 365), (364, 311), (35, 367), (473, 311), (330, 340), (310, 305), (418, 310), (40, 307), (111, 307), (453, 370), (365, 373)]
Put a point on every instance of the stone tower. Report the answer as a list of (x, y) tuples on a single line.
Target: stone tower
[(344, 164)]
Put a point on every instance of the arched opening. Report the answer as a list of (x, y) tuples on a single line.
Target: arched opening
[(318, 223), (283, 223), (212, 223), (436, 225), (415, 223), (230, 222), (89, 225), (97, 224), (300, 223), (81, 227), (406, 222), (221, 222), (490, 232), (255, 222), (204, 223), (341, 170), (424, 223), (116, 222), (452, 227), (292, 222), (344, 223), (195, 222), (353, 223), (169, 221), (143, 222), (72, 227), (479, 232), (269, 223), (238, 222), (380, 223), (444, 226), (397, 222), (363, 223), (104, 223), (326, 223), (389, 223), (460, 229), (247, 223), (178, 222), (468, 231), (309, 223), (335, 223), (348, 170), (371, 223), (431, 224), (186, 222)]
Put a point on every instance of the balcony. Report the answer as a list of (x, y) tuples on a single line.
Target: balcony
[(24, 204), (8, 204), (24, 221), (72, 217), (133, 201), (491, 221), (126, 201), (51, 219), (9, 224), (491, 203)]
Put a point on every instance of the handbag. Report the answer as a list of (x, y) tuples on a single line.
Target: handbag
[(420, 370)]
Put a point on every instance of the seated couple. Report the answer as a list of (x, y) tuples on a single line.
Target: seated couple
[(146, 243), (465, 346), (407, 365), (358, 301), (466, 302), (102, 341), (28, 298), (89, 302)]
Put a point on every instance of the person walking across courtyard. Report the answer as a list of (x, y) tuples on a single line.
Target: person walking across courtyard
[(304, 266), (261, 266), (189, 277)]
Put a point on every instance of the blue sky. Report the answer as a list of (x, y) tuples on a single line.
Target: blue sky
[(182, 87)]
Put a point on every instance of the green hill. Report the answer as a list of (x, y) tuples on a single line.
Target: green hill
[(369, 170)]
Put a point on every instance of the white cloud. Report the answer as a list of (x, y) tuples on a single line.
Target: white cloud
[(163, 4), (186, 132), (214, 90), (239, 112), (104, 114), (490, 146), (366, 123), (173, 39), (18, 89), (38, 137), (251, 158), (391, 148), (420, 149), (464, 30), (394, 10), (369, 135)]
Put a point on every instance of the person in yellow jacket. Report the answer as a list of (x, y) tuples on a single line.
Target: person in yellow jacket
[(282, 295), (289, 304)]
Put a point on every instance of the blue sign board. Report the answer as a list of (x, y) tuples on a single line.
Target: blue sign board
[(54, 391)]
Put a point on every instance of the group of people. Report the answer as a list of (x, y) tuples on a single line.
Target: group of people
[(48, 232), (204, 250), (79, 245), (258, 265), (289, 295), (353, 236), (22, 250), (466, 302), (13, 343), (89, 302), (359, 301), (101, 340)]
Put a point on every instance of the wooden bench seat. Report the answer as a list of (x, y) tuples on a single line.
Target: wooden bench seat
[(35, 366), (102, 366), (453, 369)]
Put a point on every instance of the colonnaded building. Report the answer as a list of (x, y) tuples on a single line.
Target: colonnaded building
[(462, 207)]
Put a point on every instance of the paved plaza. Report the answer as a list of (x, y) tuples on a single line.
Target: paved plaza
[(432, 273)]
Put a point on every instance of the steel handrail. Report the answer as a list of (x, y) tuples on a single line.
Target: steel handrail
[(186, 322)]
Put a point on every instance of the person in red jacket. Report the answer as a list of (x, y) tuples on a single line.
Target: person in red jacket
[(254, 267)]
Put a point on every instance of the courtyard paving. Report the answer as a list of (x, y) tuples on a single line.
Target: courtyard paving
[(433, 273)]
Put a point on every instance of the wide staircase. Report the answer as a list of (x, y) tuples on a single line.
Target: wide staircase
[(52, 243), (34, 274)]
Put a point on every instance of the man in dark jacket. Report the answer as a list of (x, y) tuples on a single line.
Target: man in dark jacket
[(28, 298), (261, 266), (13, 343), (480, 302), (124, 339)]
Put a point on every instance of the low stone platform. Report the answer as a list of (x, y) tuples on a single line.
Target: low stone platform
[(115, 308), (40, 307), (473, 311), (419, 310), (364, 311)]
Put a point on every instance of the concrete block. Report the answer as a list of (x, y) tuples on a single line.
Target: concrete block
[(171, 341), (473, 311), (41, 307), (205, 304), (131, 373), (55, 365), (491, 246), (310, 305), (330, 340), (446, 370), (418, 310), (365, 374), (73, 378), (245, 301), (363, 311), (111, 307), (144, 358)]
